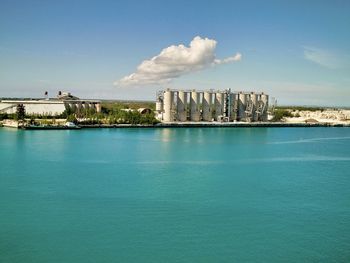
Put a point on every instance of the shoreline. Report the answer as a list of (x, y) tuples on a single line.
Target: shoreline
[(218, 125), (188, 125)]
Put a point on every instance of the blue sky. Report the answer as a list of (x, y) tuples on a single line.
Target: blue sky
[(297, 51)]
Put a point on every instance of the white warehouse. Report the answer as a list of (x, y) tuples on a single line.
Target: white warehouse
[(50, 107)]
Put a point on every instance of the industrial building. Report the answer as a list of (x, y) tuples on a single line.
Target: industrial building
[(211, 106), (50, 106)]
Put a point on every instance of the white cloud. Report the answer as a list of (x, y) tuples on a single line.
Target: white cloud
[(234, 58), (322, 57), (174, 61)]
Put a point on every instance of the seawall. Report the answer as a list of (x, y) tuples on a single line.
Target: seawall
[(217, 125), (189, 125)]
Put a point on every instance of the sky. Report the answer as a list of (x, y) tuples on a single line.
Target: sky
[(296, 51)]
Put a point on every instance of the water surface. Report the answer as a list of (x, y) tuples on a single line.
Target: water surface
[(175, 195)]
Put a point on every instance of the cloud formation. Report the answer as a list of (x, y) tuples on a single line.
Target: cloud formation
[(175, 61), (322, 57)]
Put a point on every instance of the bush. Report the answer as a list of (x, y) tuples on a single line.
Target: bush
[(111, 114), (300, 108), (119, 116), (4, 116), (279, 114), (72, 118)]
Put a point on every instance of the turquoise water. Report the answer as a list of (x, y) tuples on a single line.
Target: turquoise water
[(175, 195)]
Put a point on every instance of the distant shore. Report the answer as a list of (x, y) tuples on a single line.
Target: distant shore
[(283, 117), (189, 125), (218, 125)]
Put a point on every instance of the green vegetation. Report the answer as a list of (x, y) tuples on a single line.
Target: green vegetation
[(300, 108), (279, 114), (116, 113), (128, 105), (111, 113), (20, 112), (125, 113), (4, 116), (72, 118), (132, 117), (44, 117)]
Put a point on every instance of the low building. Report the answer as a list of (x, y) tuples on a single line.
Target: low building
[(50, 106)]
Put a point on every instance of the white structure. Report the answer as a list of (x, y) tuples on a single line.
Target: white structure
[(234, 106), (168, 106), (219, 106), (174, 105), (242, 105), (43, 107), (194, 103), (207, 106), (254, 99), (50, 107), (182, 106), (262, 108)]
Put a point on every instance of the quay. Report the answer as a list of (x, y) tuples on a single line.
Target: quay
[(185, 125), (217, 125)]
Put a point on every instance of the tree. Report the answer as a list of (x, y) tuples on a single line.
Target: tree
[(20, 112), (68, 111)]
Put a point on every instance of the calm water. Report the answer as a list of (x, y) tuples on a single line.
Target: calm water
[(175, 195)]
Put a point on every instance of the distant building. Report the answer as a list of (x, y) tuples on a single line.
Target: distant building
[(211, 106), (50, 106)]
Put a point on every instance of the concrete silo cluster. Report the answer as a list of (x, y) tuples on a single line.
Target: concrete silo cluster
[(208, 106)]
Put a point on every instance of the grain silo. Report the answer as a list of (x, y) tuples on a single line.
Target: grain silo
[(168, 106), (195, 113), (254, 98), (265, 100), (219, 105), (233, 106), (182, 106), (207, 106), (249, 107), (242, 105)]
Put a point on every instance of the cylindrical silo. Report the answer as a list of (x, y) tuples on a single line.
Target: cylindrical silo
[(181, 106), (249, 107), (265, 100), (219, 105), (254, 99), (241, 105), (195, 114), (233, 106), (168, 106), (207, 107)]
